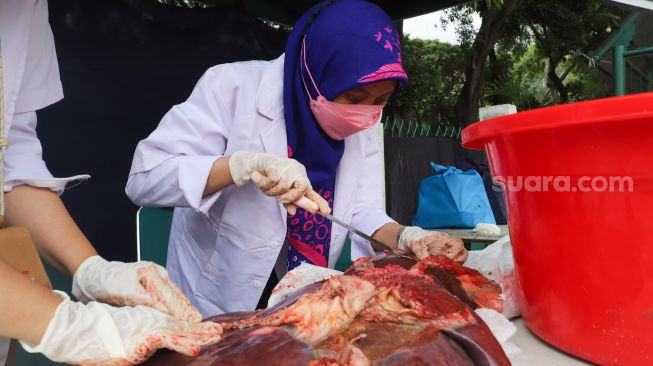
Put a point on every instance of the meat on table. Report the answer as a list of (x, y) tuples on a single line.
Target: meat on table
[(388, 310)]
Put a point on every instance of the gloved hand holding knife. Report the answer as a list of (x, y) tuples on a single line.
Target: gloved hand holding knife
[(287, 180), (279, 177), (415, 240)]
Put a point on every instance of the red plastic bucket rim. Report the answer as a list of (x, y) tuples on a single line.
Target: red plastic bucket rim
[(629, 107)]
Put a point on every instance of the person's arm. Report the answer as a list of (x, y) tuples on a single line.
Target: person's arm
[(56, 236), (283, 178), (46, 322), (41, 211), (387, 234), (368, 214), (219, 177), (182, 163), (171, 167), (61, 243), (26, 307)]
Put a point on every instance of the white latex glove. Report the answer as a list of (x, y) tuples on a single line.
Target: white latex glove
[(425, 243), (139, 283), (98, 334), (279, 177)]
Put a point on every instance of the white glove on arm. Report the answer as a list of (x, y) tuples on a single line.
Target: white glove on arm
[(425, 243), (140, 283), (283, 178), (98, 334)]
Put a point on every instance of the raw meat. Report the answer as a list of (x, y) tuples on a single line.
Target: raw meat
[(389, 310)]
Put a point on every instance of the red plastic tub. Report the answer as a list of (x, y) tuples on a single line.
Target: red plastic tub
[(583, 246)]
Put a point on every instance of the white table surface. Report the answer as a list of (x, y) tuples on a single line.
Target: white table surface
[(469, 235), (535, 352)]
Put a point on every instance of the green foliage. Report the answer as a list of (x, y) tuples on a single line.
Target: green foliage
[(495, 3), (435, 79), (560, 27), (562, 32), (524, 85), (581, 83), (462, 17)]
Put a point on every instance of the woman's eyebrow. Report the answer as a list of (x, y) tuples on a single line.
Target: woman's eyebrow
[(360, 90)]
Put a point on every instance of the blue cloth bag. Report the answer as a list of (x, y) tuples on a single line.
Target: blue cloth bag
[(452, 198)]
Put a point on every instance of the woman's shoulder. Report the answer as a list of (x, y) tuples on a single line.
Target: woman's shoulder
[(236, 81), (241, 71)]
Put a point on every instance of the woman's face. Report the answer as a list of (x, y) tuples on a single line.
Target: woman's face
[(370, 94)]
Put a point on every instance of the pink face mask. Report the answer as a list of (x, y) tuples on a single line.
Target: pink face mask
[(338, 120)]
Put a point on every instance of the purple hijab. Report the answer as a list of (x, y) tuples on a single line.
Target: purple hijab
[(349, 43)]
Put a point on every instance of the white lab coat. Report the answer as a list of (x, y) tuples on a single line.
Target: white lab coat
[(223, 247), (30, 82)]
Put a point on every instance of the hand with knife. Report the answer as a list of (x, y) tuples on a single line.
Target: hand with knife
[(411, 239), (279, 177), (287, 180)]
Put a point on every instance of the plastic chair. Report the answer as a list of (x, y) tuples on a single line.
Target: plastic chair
[(152, 234)]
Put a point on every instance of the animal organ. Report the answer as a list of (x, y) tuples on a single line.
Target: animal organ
[(389, 310)]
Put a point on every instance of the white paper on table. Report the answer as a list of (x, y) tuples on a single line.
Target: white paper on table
[(496, 263), (501, 328), (487, 229), (303, 275)]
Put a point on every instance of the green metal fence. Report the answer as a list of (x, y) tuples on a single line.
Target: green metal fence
[(407, 128)]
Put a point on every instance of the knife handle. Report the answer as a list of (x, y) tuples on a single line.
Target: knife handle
[(306, 204)]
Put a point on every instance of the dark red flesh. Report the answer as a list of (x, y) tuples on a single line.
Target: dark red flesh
[(420, 314)]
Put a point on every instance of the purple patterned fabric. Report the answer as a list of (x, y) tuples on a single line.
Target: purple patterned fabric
[(349, 43)]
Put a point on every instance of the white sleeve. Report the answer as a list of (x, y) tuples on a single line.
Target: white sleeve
[(41, 84), (171, 166), (368, 214), (39, 87), (23, 159)]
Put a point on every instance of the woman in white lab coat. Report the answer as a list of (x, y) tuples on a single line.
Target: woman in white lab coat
[(48, 321), (256, 140)]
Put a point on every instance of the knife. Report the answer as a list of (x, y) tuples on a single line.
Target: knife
[(376, 245)]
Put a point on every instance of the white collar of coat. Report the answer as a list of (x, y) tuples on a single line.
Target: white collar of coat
[(269, 99)]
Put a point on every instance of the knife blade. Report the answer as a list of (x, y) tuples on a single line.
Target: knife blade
[(311, 206), (376, 245)]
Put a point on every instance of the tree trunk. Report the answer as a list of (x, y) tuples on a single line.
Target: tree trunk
[(497, 75), (555, 82), (492, 27)]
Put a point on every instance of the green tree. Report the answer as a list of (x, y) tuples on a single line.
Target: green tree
[(494, 16), (564, 31), (523, 84), (435, 81), (518, 38)]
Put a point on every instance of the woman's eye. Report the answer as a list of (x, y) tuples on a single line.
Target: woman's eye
[(353, 100)]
